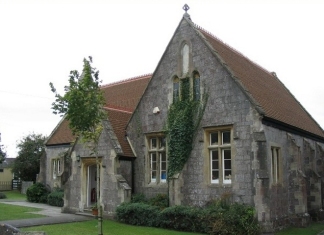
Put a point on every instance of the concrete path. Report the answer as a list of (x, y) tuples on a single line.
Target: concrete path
[(53, 215)]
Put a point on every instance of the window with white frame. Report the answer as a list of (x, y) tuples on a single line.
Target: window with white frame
[(275, 165), (56, 167), (220, 156), (157, 159)]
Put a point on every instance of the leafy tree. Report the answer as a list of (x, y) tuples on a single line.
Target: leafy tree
[(82, 104), (26, 165), (3, 153)]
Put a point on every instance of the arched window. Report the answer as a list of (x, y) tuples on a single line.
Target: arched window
[(196, 85), (185, 59), (176, 89)]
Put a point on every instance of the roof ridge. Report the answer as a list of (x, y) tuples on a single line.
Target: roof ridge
[(232, 49), (127, 80)]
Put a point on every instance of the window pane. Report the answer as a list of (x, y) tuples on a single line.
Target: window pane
[(215, 175), (163, 175), (185, 89), (175, 91), (227, 154), (153, 176), (214, 138), (214, 166), (226, 137), (197, 86), (153, 143), (162, 142), (214, 155)]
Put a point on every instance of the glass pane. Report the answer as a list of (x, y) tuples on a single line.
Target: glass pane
[(153, 143), (162, 142), (197, 87), (153, 165), (227, 164), (175, 91), (226, 137), (153, 174), (215, 175), (228, 174), (227, 154), (214, 154), (163, 175), (185, 89), (163, 157), (214, 138), (163, 166), (153, 157)]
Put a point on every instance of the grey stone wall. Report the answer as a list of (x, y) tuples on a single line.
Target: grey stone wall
[(299, 194), (227, 105), (51, 153), (114, 177)]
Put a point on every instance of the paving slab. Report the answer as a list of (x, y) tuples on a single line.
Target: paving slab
[(53, 215)]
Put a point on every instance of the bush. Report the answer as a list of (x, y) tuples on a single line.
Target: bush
[(138, 214), (160, 200), (185, 218), (237, 219), (2, 195), (55, 198), (138, 198), (218, 218), (37, 193)]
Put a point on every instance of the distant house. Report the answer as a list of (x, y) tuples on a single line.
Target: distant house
[(255, 140), (6, 176)]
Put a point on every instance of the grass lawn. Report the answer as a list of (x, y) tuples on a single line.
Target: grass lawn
[(313, 229), (14, 195), (17, 212), (109, 228)]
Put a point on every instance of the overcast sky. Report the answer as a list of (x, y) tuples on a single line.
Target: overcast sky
[(41, 41)]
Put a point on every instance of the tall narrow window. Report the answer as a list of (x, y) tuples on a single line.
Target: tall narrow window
[(176, 88), (185, 89), (275, 165), (158, 159), (185, 60), (54, 169), (196, 86), (220, 156)]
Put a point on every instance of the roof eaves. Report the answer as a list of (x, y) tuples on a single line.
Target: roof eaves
[(55, 129)]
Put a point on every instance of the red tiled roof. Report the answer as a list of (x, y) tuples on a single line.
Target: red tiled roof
[(121, 100), (118, 120), (61, 135), (126, 94), (265, 88)]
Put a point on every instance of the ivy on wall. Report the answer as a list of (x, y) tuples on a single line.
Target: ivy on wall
[(183, 120)]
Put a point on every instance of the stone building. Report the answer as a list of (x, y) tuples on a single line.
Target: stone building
[(255, 141)]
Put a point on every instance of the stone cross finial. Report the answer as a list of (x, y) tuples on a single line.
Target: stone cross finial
[(186, 8)]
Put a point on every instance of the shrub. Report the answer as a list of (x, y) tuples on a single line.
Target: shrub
[(237, 219), (185, 218), (37, 193), (55, 198), (160, 200), (138, 198), (138, 214), (2, 195)]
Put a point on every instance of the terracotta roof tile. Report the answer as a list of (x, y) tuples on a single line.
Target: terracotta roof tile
[(119, 120), (265, 88), (61, 135), (121, 100)]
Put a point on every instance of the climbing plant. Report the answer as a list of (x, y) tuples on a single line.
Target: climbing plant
[(183, 120)]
